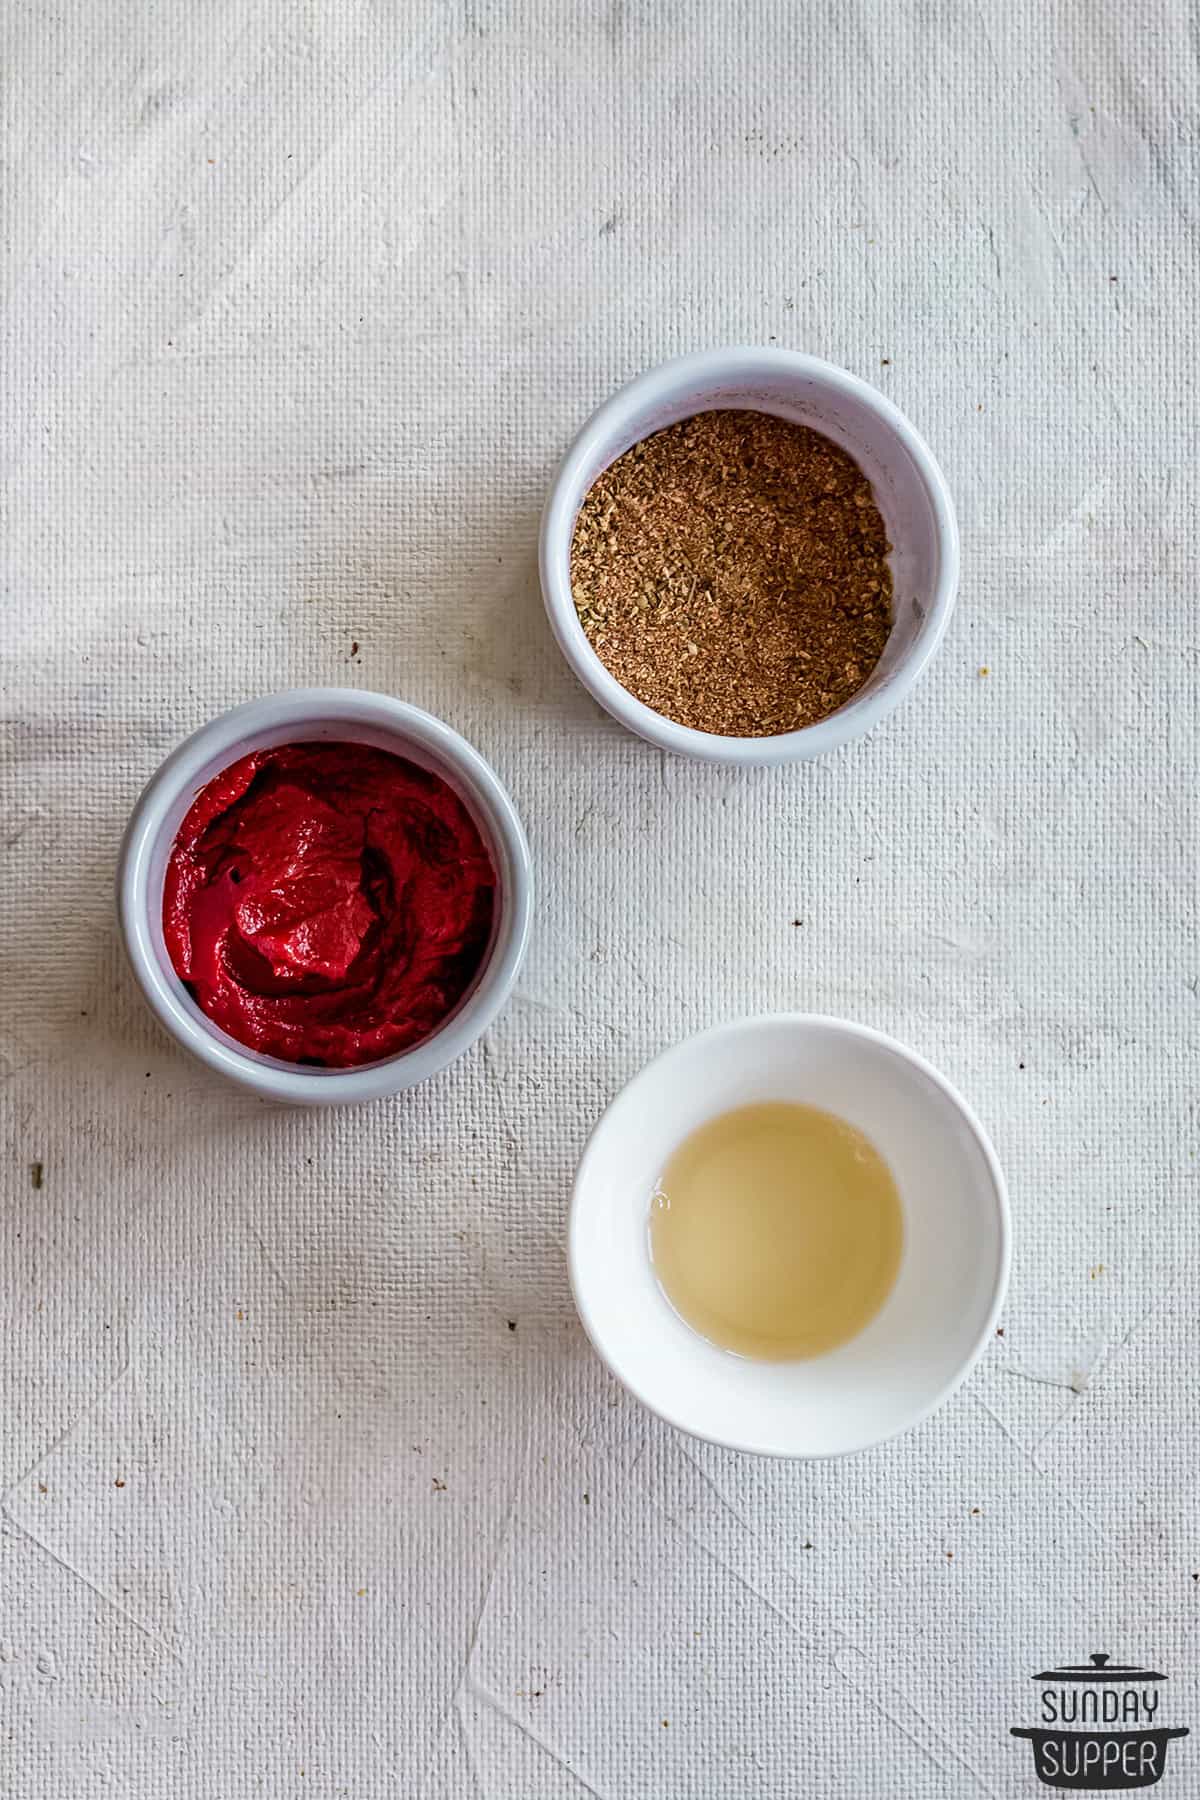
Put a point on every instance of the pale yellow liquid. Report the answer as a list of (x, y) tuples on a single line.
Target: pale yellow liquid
[(776, 1231)]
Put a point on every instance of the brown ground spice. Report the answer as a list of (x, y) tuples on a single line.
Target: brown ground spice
[(731, 572)]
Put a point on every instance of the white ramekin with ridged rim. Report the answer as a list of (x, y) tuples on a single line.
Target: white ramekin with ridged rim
[(909, 488), (309, 715)]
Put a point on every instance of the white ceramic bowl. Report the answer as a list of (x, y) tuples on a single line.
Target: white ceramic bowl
[(909, 489), (954, 1264), (310, 714)]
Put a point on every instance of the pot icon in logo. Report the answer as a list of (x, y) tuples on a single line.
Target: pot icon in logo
[(1099, 1727)]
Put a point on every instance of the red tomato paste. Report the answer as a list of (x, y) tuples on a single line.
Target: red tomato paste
[(328, 903)]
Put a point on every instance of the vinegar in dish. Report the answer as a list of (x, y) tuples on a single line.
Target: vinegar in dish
[(776, 1231)]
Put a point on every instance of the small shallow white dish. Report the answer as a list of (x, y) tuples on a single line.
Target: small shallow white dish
[(309, 715), (909, 488), (954, 1264)]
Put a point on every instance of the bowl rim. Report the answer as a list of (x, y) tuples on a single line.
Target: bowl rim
[(737, 363), (270, 1077), (999, 1191)]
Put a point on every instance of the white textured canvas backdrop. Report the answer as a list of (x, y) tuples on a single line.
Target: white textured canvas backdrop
[(311, 1484)]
